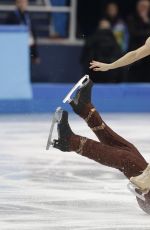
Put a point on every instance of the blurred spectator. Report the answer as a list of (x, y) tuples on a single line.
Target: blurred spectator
[(139, 24), (139, 29), (58, 27), (102, 46), (21, 17), (117, 24), (88, 15)]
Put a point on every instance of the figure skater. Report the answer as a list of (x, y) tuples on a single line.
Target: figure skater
[(112, 150)]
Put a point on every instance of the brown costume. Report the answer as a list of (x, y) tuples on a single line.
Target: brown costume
[(112, 150)]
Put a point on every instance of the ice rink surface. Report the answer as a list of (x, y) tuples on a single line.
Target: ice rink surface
[(51, 190)]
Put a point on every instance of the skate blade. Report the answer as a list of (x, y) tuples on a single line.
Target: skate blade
[(83, 82), (55, 119), (132, 188)]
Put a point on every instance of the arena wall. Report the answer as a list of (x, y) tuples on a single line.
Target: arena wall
[(106, 98)]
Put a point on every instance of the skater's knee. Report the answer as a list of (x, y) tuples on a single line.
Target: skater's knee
[(132, 147)]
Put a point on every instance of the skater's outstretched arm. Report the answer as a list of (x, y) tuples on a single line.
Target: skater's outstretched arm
[(127, 59)]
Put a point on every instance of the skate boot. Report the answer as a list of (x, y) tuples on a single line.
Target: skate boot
[(140, 185), (82, 96), (64, 131), (143, 180)]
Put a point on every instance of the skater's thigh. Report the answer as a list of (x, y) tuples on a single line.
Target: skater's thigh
[(116, 139), (126, 161), (112, 156)]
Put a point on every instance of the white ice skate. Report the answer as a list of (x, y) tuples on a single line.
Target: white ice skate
[(140, 183), (55, 119), (83, 82)]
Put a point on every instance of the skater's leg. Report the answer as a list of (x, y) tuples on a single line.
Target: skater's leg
[(114, 157), (81, 105), (104, 133), (124, 160), (118, 158)]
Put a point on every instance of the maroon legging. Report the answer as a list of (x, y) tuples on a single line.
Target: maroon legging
[(112, 150)]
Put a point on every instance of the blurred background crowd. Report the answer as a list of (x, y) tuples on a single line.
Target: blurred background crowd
[(66, 35)]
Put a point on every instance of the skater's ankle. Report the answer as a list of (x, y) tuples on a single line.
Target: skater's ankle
[(74, 143), (83, 110)]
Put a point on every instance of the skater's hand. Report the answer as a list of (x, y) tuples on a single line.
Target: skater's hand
[(99, 66)]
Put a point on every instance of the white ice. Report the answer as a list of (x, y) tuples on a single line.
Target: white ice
[(51, 190)]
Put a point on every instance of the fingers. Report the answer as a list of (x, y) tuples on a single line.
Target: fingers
[(97, 66), (97, 69), (94, 63), (93, 66)]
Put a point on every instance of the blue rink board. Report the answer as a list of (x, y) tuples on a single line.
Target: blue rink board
[(106, 98), (14, 63)]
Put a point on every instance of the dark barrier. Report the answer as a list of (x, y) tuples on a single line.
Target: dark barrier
[(58, 64)]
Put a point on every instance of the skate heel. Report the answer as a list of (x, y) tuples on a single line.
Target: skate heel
[(82, 83), (61, 145), (55, 119), (134, 190), (56, 144)]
